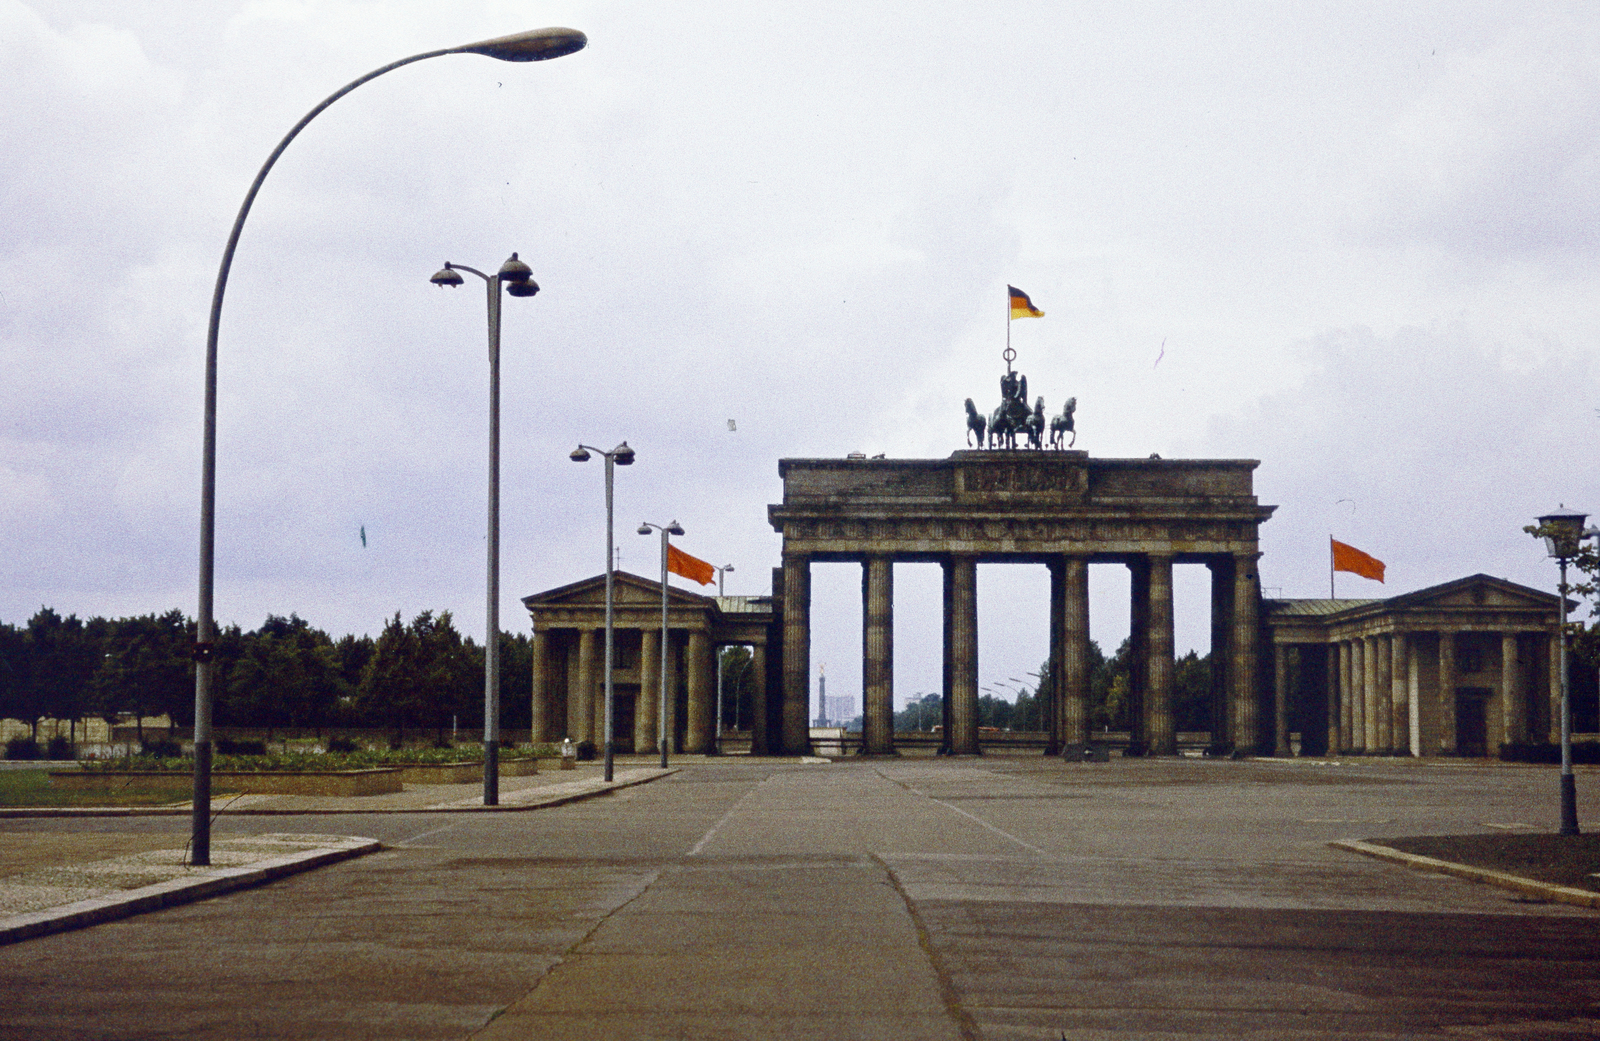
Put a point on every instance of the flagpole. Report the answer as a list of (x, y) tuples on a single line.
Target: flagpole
[(1331, 595)]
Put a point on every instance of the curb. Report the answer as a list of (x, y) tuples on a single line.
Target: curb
[(183, 810), (1527, 886), (214, 882)]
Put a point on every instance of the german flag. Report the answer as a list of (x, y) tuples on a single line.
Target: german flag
[(1021, 306), (1348, 558), (692, 568)]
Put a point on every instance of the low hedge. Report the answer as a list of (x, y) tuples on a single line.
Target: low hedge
[(314, 761)]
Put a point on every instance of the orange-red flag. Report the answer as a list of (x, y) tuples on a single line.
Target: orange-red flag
[(692, 568), (1348, 558)]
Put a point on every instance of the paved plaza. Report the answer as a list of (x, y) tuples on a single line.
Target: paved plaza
[(901, 899)]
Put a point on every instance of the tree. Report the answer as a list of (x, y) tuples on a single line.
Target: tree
[(144, 668), (287, 674), (921, 715), (63, 655), (419, 674), (738, 686)]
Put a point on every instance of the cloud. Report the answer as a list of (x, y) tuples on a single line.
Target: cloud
[(1428, 448)]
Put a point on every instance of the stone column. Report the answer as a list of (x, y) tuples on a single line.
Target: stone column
[(647, 711), (877, 656), (1447, 693), (1383, 695), (758, 700), (1073, 689), (1242, 655), (1138, 653), (1413, 697), (1358, 695), (580, 723), (1346, 741), (1280, 700), (539, 731), (1160, 728), (674, 742), (1399, 694), (1512, 707), (1331, 663), (796, 739), (1051, 717), (1369, 695), (702, 699), (1221, 569), (1552, 642), (961, 654)]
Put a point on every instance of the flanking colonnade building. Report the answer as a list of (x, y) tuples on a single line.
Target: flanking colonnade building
[(1457, 669)]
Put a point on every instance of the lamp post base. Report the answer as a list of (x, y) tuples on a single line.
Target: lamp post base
[(1569, 805), (491, 774)]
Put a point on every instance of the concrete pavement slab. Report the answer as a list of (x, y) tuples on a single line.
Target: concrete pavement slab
[(87, 892)]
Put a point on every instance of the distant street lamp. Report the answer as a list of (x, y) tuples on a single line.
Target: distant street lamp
[(537, 45), (621, 455), (1563, 534), (661, 711), (518, 281), (720, 572)]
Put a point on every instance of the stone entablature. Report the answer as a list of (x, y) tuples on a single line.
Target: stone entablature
[(1011, 505)]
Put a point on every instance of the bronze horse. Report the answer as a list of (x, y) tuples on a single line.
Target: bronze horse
[(976, 424), (1062, 424)]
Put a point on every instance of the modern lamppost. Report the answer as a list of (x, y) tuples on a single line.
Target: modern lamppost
[(661, 710), (1563, 534), (537, 45), (621, 455), (518, 281), (720, 572)]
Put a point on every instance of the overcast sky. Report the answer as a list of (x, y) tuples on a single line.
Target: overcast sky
[(1354, 241)]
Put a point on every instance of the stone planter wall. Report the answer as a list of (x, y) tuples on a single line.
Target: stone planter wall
[(331, 782)]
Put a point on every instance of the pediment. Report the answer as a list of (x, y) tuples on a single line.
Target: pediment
[(626, 589), (1476, 593)]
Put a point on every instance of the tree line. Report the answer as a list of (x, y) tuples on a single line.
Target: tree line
[(1108, 697), (414, 676)]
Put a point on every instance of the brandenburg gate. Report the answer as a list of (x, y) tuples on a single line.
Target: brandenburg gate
[(1057, 508)]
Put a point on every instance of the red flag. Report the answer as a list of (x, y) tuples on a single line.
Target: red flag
[(1348, 558), (692, 568)]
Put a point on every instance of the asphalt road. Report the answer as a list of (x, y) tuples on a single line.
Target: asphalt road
[(897, 899)]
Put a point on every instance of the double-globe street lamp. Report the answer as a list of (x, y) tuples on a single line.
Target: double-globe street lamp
[(661, 709), (517, 279), (1563, 534), (621, 455), (537, 45)]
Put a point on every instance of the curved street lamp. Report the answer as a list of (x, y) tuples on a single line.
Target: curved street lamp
[(536, 45), (518, 281), (1563, 533), (661, 711), (621, 455)]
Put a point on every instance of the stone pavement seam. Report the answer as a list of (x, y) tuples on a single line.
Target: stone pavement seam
[(503, 1018), (947, 989), (1527, 886), (187, 885), (590, 790)]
